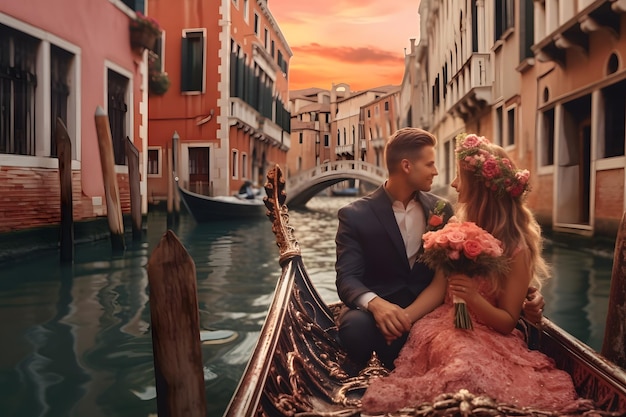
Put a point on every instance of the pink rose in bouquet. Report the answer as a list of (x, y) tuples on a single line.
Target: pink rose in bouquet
[(464, 248)]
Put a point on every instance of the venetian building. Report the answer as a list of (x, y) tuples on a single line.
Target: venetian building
[(379, 120), (310, 129), (544, 79), (348, 119), (58, 65), (225, 117)]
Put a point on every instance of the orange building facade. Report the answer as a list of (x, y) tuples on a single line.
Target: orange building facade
[(225, 117), (57, 64)]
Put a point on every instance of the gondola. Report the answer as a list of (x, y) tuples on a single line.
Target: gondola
[(298, 367), (206, 209)]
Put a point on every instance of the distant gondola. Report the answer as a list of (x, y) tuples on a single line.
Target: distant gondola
[(206, 209), (299, 369)]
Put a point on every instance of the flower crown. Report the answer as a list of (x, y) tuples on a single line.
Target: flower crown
[(496, 172)]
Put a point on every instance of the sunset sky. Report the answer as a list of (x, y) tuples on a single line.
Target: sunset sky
[(358, 42)]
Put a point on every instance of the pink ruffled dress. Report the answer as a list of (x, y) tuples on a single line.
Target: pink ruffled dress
[(439, 358)]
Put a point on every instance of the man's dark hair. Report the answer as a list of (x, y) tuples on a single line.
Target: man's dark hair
[(406, 143)]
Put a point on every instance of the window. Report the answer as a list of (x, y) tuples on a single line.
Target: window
[(257, 24), (246, 10), (369, 113), (614, 120), (345, 136), (193, 62), (353, 134), (386, 106), (117, 93), (499, 122), (338, 138), (547, 139), (154, 162), (234, 164), (244, 165), (300, 139), (273, 49), (371, 134), (266, 39), (326, 140), (510, 128), (60, 62), (504, 17), (18, 61)]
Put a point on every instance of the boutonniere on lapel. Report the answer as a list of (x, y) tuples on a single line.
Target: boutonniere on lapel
[(435, 220)]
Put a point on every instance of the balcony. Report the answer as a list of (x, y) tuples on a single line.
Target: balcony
[(378, 143), (471, 86), (573, 34), (345, 150), (261, 128)]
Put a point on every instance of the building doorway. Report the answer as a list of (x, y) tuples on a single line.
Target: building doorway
[(573, 187), (199, 170)]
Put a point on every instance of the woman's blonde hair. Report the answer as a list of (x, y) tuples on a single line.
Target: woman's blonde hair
[(505, 216)]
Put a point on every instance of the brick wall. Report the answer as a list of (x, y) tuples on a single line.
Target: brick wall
[(30, 197)]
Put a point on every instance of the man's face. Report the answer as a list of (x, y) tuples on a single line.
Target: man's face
[(422, 171)]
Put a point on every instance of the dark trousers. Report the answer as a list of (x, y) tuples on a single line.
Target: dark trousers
[(360, 337)]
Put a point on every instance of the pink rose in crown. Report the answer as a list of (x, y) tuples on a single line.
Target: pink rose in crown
[(471, 141), (491, 168)]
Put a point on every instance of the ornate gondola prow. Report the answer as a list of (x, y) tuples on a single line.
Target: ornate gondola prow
[(278, 214)]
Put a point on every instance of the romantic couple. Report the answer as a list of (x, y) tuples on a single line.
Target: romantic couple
[(401, 309)]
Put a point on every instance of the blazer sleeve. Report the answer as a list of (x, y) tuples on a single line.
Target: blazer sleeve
[(350, 264)]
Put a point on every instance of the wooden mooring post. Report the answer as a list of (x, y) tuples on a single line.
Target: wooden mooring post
[(614, 343), (111, 189), (132, 155), (175, 330), (64, 155)]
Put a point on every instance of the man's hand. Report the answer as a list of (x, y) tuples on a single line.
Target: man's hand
[(533, 305), (390, 318)]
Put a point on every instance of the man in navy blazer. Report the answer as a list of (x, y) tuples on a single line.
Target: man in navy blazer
[(378, 276), (378, 243)]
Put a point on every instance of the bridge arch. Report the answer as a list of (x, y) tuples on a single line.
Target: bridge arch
[(302, 187)]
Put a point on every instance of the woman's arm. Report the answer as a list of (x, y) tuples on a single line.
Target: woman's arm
[(504, 316), (429, 299)]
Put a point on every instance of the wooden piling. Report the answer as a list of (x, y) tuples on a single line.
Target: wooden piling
[(111, 189), (614, 343), (64, 155), (175, 330), (132, 155)]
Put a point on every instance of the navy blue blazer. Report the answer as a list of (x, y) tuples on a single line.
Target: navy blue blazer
[(371, 255)]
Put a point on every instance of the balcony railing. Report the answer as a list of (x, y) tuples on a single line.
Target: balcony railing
[(260, 127), (345, 149), (472, 85)]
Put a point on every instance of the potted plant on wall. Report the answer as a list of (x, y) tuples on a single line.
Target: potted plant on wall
[(144, 32), (158, 80)]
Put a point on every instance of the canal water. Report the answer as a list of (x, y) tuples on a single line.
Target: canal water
[(76, 339)]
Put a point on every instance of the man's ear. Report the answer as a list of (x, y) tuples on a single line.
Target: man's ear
[(405, 165)]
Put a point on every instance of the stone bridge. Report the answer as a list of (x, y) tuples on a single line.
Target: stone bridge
[(305, 185)]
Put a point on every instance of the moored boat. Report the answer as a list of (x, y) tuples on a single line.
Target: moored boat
[(205, 209), (298, 368)]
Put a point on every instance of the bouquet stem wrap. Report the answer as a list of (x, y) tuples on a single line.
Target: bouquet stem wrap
[(462, 319)]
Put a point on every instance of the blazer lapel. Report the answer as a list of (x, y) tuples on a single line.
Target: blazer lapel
[(381, 205)]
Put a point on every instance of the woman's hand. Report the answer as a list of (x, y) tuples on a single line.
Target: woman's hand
[(533, 305), (463, 287)]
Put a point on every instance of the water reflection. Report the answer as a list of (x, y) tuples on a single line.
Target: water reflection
[(79, 340)]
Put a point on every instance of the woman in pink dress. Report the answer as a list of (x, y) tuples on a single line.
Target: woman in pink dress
[(491, 359)]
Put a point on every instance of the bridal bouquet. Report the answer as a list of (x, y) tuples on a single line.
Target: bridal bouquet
[(465, 248)]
